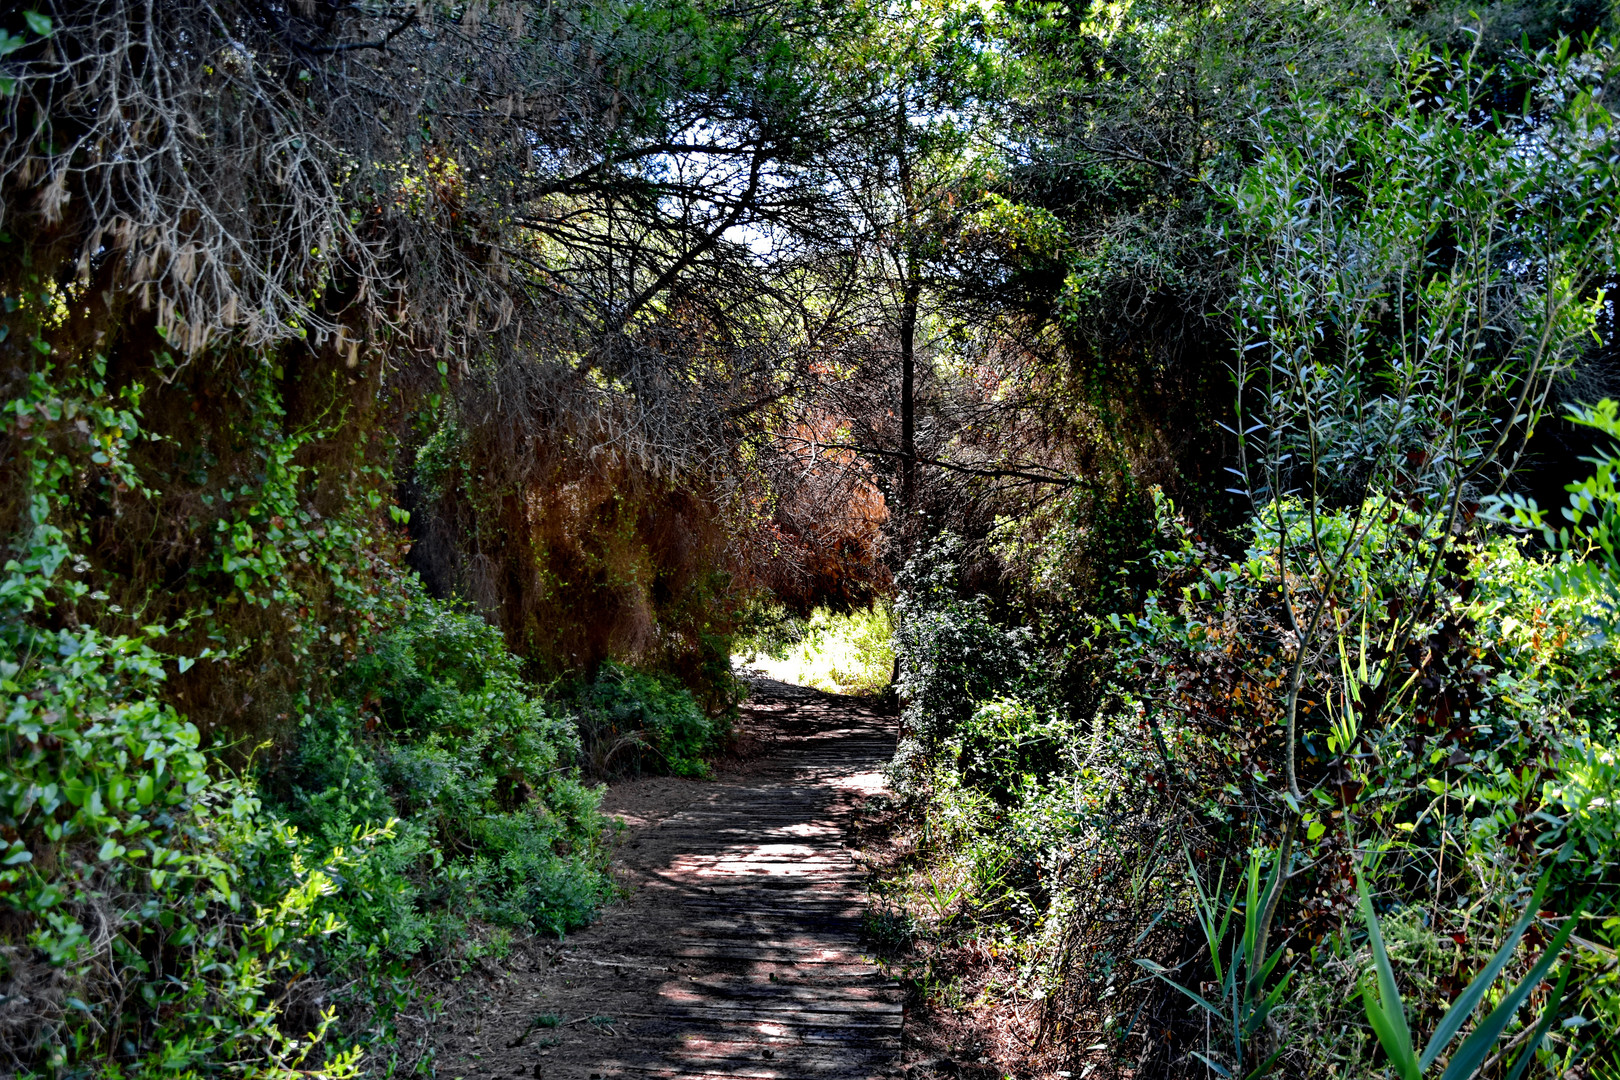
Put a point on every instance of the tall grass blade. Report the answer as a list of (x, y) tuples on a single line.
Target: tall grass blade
[(1206, 914), (1268, 1003), (1388, 1014), (1260, 967)]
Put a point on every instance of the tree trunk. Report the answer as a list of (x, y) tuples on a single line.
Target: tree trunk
[(908, 390), (910, 291)]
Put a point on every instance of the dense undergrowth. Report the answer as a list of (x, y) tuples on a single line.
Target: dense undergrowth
[(1317, 778), (271, 896), (1073, 842), (634, 721)]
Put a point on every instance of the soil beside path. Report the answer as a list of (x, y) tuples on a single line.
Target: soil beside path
[(737, 950)]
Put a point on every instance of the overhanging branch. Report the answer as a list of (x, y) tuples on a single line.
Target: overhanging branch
[(1048, 477)]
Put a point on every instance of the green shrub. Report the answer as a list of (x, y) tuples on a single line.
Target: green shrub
[(435, 735), (633, 721), (1007, 746), (153, 912), (953, 655), (1061, 832), (767, 631)]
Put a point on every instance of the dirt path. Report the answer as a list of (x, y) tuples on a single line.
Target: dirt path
[(737, 951)]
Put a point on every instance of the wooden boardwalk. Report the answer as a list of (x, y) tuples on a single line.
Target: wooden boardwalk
[(738, 953)]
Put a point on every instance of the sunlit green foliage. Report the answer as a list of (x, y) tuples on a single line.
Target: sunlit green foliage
[(839, 652), (132, 857), (434, 737), (175, 903)]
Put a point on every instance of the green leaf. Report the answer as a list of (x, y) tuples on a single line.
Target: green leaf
[(1206, 915), (1469, 1000), (1386, 1032), (1388, 1016), (1266, 1005), (38, 23), (1315, 831)]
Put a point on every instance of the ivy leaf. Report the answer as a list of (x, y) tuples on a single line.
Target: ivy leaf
[(39, 24)]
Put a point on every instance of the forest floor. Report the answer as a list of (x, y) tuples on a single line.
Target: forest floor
[(736, 949)]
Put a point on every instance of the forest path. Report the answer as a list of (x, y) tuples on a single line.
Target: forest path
[(737, 951)]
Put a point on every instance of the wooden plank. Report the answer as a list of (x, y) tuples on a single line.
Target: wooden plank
[(746, 1026), (768, 997), (780, 991)]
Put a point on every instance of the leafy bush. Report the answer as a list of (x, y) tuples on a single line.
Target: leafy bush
[(632, 721), (132, 908), (953, 655), (1007, 745), (767, 631), (1485, 763), (160, 916), (1065, 832), (154, 913), (434, 744)]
